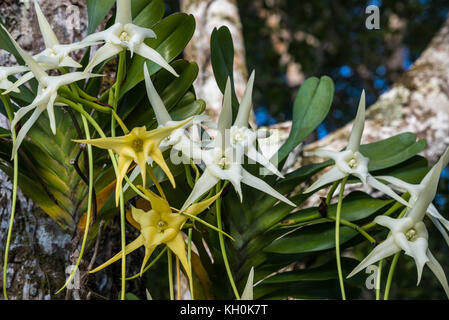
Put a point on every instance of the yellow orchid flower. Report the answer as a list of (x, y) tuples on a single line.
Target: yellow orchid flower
[(158, 226), (138, 145)]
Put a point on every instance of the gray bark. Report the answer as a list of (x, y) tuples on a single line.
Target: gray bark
[(208, 15), (40, 249)]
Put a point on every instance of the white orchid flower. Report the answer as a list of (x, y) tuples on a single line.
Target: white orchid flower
[(351, 162), (223, 162), (125, 35), (55, 55), (5, 72), (416, 189), (45, 98), (178, 139), (410, 234), (243, 138)]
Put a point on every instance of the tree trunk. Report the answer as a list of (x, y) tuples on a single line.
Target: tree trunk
[(40, 249), (208, 15)]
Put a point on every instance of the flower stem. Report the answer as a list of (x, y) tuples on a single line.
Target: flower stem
[(378, 282), (337, 238), (178, 279), (332, 191), (170, 275), (97, 127), (189, 259), (222, 244), (390, 275), (9, 111), (356, 228)]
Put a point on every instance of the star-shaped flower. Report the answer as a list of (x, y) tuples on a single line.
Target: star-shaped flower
[(46, 96), (125, 35), (55, 55), (223, 162), (137, 146), (351, 162), (409, 233), (5, 72), (416, 189), (161, 225), (178, 139), (243, 138)]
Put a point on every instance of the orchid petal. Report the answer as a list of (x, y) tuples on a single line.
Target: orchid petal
[(157, 203), (225, 118), (418, 250), (323, 153), (123, 165), (178, 246), (157, 156), (197, 208), (104, 53), (152, 55), (144, 218), (24, 130), (128, 249), (357, 128), (381, 251), (37, 70), (246, 104), (248, 292), (440, 228), (254, 155), (330, 176), (49, 36), (436, 268), (261, 185), (23, 79), (70, 63), (376, 184), (5, 84), (160, 111), (51, 112), (203, 185)]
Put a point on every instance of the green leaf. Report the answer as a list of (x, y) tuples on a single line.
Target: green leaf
[(97, 11), (327, 271), (392, 151), (222, 59), (150, 14), (6, 44), (312, 104), (356, 206), (173, 34), (311, 239)]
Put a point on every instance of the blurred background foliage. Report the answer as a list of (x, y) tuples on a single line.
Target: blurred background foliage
[(288, 41)]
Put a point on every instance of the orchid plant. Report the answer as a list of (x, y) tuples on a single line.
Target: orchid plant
[(144, 146)]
